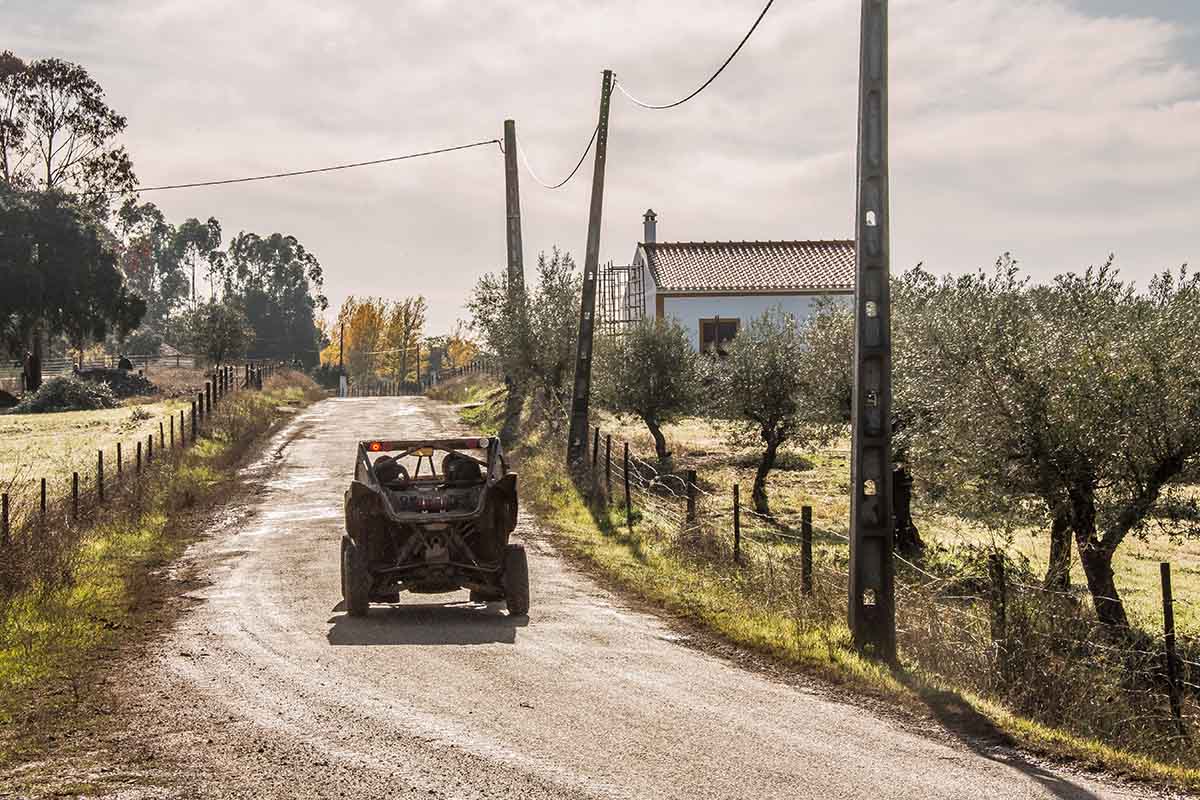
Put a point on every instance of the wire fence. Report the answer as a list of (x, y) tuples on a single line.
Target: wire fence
[(395, 387), (43, 519), (981, 623)]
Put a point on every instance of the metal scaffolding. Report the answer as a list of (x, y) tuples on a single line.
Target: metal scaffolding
[(622, 300)]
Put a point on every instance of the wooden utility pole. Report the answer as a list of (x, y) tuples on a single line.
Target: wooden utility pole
[(872, 613), (516, 271), (512, 202), (577, 436)]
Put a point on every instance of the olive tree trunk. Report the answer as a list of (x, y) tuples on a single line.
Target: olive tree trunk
[(1058, 573), (765, 464)]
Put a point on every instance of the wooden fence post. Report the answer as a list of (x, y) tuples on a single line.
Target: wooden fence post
[(119, 466), (149, 448), (608, 468), (199, 406), (74, 495), (595, 449), (207, 398), (100, 475), (172, 431), (691, 496), (1175, 689), (43, 505), (182, 433), (737, 524), (628, 503), (4, 519), (162, 438), (138, 468), (999, 604), (806, 564)]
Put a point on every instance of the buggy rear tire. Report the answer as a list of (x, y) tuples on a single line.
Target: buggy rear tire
[(356, 579), (516, 580)]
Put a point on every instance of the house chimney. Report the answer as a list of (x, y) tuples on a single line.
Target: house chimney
[(649, 227)]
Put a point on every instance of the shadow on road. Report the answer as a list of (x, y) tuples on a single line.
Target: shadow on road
[(459, 623), (978, 733)]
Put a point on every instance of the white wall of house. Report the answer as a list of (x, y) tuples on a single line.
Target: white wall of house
[(690, 310)]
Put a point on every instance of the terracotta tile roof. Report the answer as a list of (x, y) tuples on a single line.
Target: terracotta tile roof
[(752, 266)]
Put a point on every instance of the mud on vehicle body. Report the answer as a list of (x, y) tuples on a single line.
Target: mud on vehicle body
[(414, 524)]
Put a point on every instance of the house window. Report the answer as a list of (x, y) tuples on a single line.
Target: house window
[(716, 334)]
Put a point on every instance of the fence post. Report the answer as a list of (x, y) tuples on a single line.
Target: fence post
[(138, 468), (207, 398), (628, 503), (595, 449), (1175, 690), (737, 524), (999, 602), (149, 448), (172, 431), (162, 438), (4, 519), (691, 496), (43, 506), (100, 475), (118, 459), (608, 468), (74, 495), (193, 421), (806, 567), (199, 404)]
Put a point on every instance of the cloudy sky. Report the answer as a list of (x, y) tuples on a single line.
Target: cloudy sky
[(1060, 130)]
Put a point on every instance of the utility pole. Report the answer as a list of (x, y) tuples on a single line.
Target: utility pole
[(872, 590), (577, 436), (516, 272)]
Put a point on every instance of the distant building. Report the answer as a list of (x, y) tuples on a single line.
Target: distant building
[(714, 288)]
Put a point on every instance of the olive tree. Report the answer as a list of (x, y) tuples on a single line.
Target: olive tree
[(766, 393), (532, 331), (1076, 403), (650, 371)]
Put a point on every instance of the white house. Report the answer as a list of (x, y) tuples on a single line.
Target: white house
[(713, 288)]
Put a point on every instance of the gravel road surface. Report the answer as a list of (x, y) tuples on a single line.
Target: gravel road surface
[(265, 688)]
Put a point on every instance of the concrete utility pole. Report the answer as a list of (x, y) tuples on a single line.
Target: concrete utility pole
[(577, 437), (516, 270), (872, 589)]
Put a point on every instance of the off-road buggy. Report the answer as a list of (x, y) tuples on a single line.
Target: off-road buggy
[(432, 516)]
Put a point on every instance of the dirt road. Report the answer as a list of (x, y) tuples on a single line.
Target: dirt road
[(264, 689)]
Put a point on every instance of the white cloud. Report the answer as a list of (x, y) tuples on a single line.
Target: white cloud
[(1022, 125)]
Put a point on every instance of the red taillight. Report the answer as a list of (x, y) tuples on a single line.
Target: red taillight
[(375, 447)]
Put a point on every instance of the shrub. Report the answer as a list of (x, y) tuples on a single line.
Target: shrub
[(68, 393)]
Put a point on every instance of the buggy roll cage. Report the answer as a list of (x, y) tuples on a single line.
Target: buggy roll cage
[(364, 470)]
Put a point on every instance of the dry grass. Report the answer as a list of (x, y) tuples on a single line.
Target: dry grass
[(1057, 683), (33, 446), (70, 589), (821, 479)]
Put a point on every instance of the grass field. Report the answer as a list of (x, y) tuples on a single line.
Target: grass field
[(821, 479), (33, 446)]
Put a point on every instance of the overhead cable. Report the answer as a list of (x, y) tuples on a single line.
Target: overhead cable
[(711, 78), (320, 169), (563, 182)]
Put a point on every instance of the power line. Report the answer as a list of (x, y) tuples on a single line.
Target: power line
[(563, 182), (320, 169), (711, 78)]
